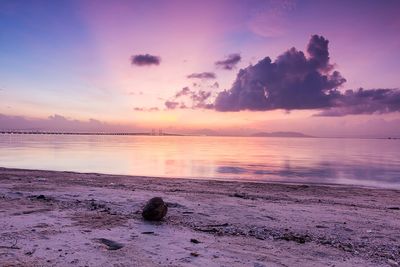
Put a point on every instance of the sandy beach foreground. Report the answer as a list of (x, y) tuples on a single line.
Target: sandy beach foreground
[(63, 219)]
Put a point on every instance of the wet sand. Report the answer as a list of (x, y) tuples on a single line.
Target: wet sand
[(62, 218)]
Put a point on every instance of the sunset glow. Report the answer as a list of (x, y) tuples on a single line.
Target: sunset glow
[(73, 60)]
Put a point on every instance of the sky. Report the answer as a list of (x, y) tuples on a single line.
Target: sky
[(324, 68)]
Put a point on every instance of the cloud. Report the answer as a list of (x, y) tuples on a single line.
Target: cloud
[(361, 101), (296, 80), (198, 99), (135, 93), (171, 104), (292, 81), (183, 92), (145, 60), (230, 62), (55, 123), (202, 75), (146, 109)]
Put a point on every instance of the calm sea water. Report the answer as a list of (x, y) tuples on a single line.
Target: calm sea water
[(369, 162)]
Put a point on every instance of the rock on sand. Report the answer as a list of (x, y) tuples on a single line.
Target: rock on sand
[(155, 209)]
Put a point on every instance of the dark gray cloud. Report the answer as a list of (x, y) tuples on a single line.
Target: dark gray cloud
[(318, 51), (229, 62), (202, 75), (145, 60), (292, 81), (372, 101)]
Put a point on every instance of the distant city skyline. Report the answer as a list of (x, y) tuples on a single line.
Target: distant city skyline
[(231, 67)]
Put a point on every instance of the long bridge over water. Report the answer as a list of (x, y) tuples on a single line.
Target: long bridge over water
[(153, 133)]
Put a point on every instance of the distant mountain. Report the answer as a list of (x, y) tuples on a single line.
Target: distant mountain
[(281, 134)]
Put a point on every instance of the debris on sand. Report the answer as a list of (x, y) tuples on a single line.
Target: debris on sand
[(242, 195), (111, 245), (155, 209), (40, 197), (93, 205), (194, 254), (148, 233), (301, 239), (218, 225), (195, 241), (239, 195)]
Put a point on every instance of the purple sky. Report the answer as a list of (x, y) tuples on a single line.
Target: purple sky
[(185, 66)]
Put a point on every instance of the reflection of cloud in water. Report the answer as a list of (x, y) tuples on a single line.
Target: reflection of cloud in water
[(323, 172)]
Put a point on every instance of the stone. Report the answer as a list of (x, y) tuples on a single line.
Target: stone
[(111, 245), (155, 209)]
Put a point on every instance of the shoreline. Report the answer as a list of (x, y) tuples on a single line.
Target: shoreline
[(209, 179), (56, 219)]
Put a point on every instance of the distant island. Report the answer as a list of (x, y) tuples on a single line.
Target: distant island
[(281, 134)]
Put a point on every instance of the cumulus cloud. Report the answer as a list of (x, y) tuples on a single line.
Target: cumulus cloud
[(202, 75), (230, 62), (145, 60), (361, 101), (296, 80), (292, 81)]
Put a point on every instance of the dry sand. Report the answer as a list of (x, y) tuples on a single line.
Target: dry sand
[(58, 219)]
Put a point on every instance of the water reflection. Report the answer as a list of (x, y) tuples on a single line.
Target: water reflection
[(344, 161), (323, 172)]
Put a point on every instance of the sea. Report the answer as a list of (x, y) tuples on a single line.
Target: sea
[(342, 161)]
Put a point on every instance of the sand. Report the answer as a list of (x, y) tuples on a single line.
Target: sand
[(52, 218)]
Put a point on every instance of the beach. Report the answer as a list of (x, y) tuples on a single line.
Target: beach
[(50, 218)]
